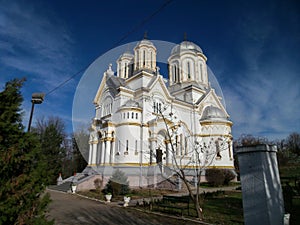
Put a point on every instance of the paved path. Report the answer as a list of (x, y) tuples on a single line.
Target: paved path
[(71, 209)]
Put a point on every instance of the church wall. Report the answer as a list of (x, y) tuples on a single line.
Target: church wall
[(135, 129)]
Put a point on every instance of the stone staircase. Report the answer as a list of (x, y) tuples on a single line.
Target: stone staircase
[(64, 187)]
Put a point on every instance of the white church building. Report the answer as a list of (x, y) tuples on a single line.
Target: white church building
[(146, 125)]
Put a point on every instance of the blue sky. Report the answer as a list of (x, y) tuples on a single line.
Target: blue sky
[(253, 48)]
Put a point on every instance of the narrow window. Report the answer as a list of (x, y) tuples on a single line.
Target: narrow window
[(229, 150), (125, 71), (132, 115), (218, 150), (119, 147), (127, 146), (189, 70), (185, 145), (136, 147), (200, 72), (128, 115), (176, 145), (151, 64), (174, 73), (144, 58), (154, 107), (136, 115), (159, 107)]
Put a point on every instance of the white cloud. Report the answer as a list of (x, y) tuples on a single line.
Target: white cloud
[(34, 43)]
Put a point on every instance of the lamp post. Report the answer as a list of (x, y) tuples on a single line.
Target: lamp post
[(36, 98)]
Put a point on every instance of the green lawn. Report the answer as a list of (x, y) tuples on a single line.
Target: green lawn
[(220, 209), (224, 209)]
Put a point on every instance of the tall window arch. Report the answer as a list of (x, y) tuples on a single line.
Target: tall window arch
[(144, 58), (188, 70), (107, 106), (125, 70)]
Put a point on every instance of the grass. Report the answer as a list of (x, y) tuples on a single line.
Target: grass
[(295, 215), (218, 208), (224, 209)]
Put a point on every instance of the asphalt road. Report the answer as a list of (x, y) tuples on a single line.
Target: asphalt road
[(71, 209)]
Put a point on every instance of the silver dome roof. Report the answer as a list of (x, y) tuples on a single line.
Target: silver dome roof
[(145, 42), (126, 54), (186, 46), (212, 112)]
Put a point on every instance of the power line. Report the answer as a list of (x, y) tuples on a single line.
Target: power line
[(135, 28)]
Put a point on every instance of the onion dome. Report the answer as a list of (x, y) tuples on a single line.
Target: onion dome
[(186, 46), (212, 112)]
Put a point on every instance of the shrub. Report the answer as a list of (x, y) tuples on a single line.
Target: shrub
[(117, 184), (218, 177), (215, 177), (98, 183), (229, 175)]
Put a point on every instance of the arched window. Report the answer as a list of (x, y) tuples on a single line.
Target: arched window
[(107, 106), (126, 150), (144, 58), (174, 71), (151, 58), (136, 147), (125, 70), (200, 72), (189, 70)]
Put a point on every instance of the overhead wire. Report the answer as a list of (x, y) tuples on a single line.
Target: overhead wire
[(135, 28)]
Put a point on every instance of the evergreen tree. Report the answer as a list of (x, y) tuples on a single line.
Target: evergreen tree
[(52, 136), (78, 159), (21, 170)]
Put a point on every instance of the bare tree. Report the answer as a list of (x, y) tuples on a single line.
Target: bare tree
[(188, 161), (293, 143)]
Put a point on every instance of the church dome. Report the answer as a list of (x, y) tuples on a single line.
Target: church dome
[(186, 46), (145, 42), (126, 54), (212, 112)]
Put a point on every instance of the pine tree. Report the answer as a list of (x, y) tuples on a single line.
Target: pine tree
[(21, 176), (52, 135)]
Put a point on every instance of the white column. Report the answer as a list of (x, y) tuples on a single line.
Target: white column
[(112, 155), (102, 152), (169, 154), (90, 154), (107, 152), (94, 153)]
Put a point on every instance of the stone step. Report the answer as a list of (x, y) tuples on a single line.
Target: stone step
[(64, 187)]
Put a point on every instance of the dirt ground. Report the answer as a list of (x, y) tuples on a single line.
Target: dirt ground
[(71, 209)]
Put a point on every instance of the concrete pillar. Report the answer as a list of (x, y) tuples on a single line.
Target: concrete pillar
[(102, 151), (90, 153), (107, 152), (112, 153), (261, 188), (94, 155)]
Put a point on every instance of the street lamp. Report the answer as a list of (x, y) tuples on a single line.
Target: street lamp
[(36, 98)]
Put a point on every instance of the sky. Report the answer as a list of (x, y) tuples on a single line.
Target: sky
[(253, 49)]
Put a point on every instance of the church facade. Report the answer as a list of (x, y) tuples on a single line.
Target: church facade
[(144, 121)]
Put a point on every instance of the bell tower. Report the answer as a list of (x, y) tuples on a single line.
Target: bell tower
[(145, 56)]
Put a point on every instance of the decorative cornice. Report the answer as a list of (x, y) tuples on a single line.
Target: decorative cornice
[(208, 122), (129, 124)]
